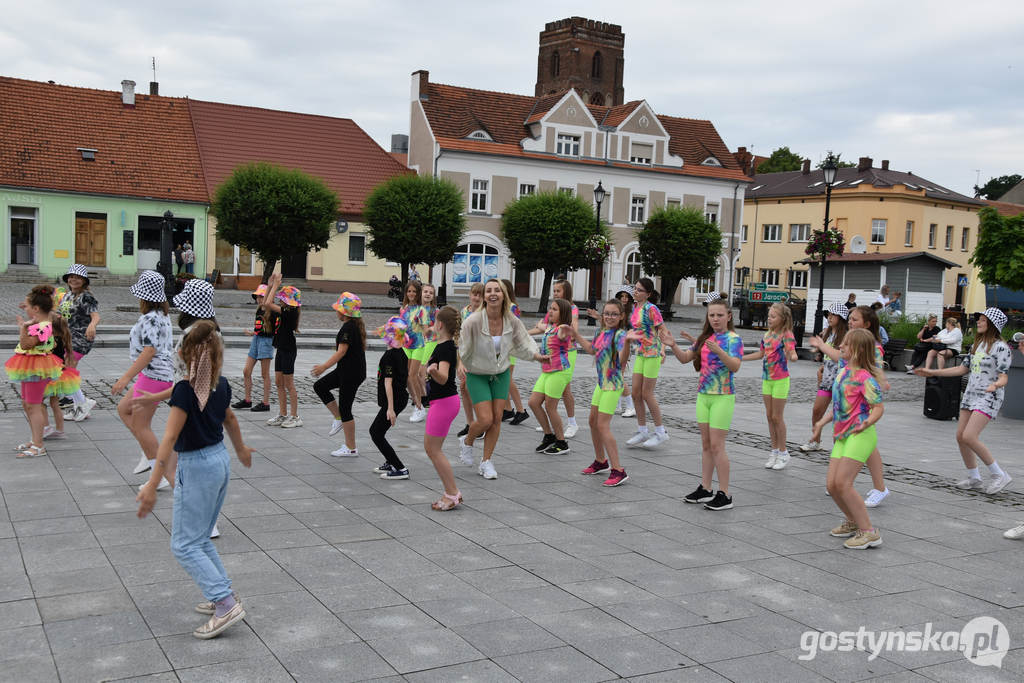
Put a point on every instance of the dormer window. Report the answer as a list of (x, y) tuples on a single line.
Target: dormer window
[(711, 161), (568, 145), (88, 154), (480, 135), (641, 154)]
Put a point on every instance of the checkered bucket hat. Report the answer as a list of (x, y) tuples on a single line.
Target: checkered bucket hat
[(289, 296), (196, 299), (839, 309), (150, 287), (348, 304), (395, 333), (79, 270), (712, 297), (996, 317)]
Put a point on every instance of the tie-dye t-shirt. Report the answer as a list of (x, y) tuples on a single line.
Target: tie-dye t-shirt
[(544, 321), (879, 357), (418, 320), (715, 377), (608, 344), (986, 364), (514, 310), (853, 394), (558, 348), (428, 334), (776, 348), (647, 318), (467, 311)]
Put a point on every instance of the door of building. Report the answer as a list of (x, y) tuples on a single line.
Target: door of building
[(91, 239), (23, 236), (294, 266)]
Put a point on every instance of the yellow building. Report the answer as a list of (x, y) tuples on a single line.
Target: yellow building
[(877, 209)]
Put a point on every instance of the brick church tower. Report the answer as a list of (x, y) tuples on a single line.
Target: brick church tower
[(583, 54)]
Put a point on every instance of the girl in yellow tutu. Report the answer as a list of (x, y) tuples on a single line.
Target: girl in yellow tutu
[(33, 364)]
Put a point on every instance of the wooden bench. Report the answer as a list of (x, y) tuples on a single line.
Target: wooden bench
[(893, 349)]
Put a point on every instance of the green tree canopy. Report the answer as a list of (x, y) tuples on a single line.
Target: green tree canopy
[(997, 187), (274, 212), (839, 164), (999, 254), (549, 232), (415, 219), (679, 243), (781, 160)]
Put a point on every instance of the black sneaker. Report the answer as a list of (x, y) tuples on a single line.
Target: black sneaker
[(260, 408), (520, 418), (545, 442), (701, 495), (66, 401), (382, 468), (463, 431), (396, 474), (557, 448), (241, 404), (508, 415), (719, 502)]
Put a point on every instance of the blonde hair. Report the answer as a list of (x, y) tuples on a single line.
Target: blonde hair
[(506, 305), (953, 320), (477, 288), (204, 332), (787, 317), (862, 351)]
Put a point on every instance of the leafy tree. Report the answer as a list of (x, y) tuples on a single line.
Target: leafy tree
[(839, 164), (274, 212), (999, 254), (997, 187), (679, 243), (415, 219), (549, 232), (781, 160)]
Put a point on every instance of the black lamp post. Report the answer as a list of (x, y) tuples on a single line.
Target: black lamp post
[(166, 247), (828, 168), (599, 195)]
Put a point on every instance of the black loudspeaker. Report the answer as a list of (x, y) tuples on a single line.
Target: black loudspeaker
[(942, 397)]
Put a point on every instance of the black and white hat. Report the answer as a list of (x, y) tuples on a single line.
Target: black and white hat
[(79, 270), (150, 287), (196, 299), (712, 297), (839, 309), (996, 317)]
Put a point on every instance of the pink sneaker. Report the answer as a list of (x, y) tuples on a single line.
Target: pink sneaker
[(597, 467), (615, 477)]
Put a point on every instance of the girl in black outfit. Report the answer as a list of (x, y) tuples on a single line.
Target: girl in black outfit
[(350, 358), (286, 304), (444, 401), (392, 396)]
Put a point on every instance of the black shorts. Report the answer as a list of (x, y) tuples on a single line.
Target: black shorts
[(284, 362)]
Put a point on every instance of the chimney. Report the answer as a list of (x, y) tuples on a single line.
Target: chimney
[(807, 167), (885, 164), (128, 93), (154, 88), (399, 143), (420, 82), (863, 164)]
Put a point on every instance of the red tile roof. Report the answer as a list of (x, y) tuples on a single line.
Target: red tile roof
[(145, 151), (1005, 208), (454, 112), (336, 150)]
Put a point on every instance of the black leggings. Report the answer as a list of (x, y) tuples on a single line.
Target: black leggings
[(325, 386), (379, 435)]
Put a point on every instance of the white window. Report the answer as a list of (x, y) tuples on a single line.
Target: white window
[(798, 279), (949, 238), (799, 232), (908, 238), (744, 234), (965, 239), (568, 145), (672, 203), (641, 154), (705, 285), (478, 200), (527, 188), (770, 276), (878, 226), (711, 213), (566, 190), (636, 212), (772, 232), (932, 230), (633, 268), (356, 248)]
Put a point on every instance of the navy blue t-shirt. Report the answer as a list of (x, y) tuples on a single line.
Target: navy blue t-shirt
[(202, 428)]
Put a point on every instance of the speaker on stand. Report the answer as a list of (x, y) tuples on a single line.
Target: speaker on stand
[(942, 397)]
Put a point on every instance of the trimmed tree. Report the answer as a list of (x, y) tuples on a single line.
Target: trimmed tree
[(550, 231), (274, 212), (781, 160), (677, 243), (415, 219), (999, 254)]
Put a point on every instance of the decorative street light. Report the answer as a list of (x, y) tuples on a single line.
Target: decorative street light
[(166, 247), (599, 195), (828, 168)]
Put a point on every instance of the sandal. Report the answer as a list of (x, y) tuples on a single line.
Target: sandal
[(447, 502), (32, 452), (22, 446)]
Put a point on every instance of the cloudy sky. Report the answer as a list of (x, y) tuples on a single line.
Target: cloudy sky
[(937, 87)]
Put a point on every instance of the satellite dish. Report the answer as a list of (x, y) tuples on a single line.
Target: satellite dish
[(858, 245)]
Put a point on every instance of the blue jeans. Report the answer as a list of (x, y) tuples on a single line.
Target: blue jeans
[(200, 486), (190, 268)]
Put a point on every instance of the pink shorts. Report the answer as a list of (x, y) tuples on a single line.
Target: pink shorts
[(149, 385), (441, 415), (78, 356), (982, 412), (32, 392), (822, 392)]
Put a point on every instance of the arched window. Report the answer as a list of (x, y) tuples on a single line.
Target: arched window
[(595, 65), (474, 262), (597, 98), (633, 268), (554, 63)]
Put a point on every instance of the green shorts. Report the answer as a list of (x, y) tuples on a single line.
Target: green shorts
[(553, 384), (856, 446), (428, 349), (649, 367), (715, 410), (417, 354), (487, 388), (776, 388), (606, 400)]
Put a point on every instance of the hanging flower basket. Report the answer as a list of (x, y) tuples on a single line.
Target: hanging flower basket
[(597, 249), (825, 243)]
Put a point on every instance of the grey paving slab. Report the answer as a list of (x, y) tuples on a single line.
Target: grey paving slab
[(423, 650), (338, 663), (109, 662), (481, 670), (258, 670), (558, 664)]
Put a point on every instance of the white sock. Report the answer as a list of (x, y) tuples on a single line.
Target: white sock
[(335, 423), (572, 421), (78, 397), (784, 451), (660, 429), (995, 469), (618, 406), (642, 429), (973, 473), (629, 402)]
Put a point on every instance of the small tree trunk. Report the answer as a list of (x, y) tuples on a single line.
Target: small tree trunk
[(268, 269), (668, 294), (405, 277), (548, 276)]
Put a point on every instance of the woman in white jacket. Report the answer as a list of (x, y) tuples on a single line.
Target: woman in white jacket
[(946, 344), (489, 337)]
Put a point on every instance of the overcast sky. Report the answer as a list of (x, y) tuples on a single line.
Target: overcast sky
[(936, 87)]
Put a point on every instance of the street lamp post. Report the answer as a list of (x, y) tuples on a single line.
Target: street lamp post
[(166, 247), (829, 168), (599, 194)]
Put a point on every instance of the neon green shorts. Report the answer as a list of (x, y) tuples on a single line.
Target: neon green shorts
[(606, 400), (417, 354), (856, 446), (553, 384), (715, 410), (487, 388), (776, 388), (649, 367)]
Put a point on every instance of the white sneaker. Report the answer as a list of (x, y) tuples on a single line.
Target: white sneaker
[(276, 421), (72, 414), (216, 532), (656, 439), (781, 460), (163, 485), (971, 484), (335, 427), (811, 446), (345, 452), (771, 459), (1014, 533), (466, 452), (997, 484), (83, 410), (487, 471), (144, 465), (418, 415), (291, 422), (629, 412), (638, 438), (538, 429), (875, 497), (571, 430)]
